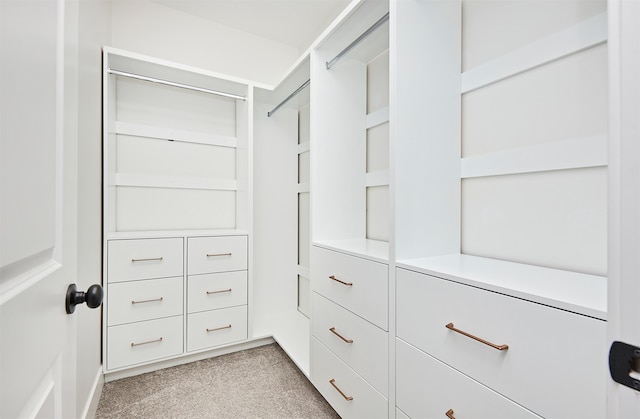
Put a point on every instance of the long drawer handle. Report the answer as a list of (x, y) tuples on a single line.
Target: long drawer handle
[(333, 383), (340, 281), (147, 342), (219, 328), (146, 259), (449, 414), (210, 255), (218, 292), (493, 345), (333, 330), (147, 301)]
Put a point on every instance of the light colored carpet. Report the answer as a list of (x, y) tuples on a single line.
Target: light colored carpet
[(257, 383)]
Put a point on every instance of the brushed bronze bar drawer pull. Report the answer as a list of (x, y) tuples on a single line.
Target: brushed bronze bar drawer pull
[(147, 301), (210, 255), (340, 281), (333, 330), (333, 383), (493, 345), (449, 414), (218, 292), (219, 328), (147, 342), (147, 259)]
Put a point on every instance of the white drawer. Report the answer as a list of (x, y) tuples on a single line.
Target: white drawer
[(144, 259), (214, 291), (367, 353), (136, 343), (216, 327), (328, 371), (216, 254), (427, 388), (555, 364), (367, 296), (135, 301)]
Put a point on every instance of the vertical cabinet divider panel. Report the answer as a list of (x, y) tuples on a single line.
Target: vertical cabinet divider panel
[(176, 209)]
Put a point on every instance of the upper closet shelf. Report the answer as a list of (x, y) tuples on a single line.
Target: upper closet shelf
[(586, 34), (576, 292), (160, 133)]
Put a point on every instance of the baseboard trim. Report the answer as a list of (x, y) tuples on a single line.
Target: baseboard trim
[(91, 407), (130, 372)]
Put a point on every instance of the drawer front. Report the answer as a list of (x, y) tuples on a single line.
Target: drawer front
[(216, 327), (427, 388), (214, 291), (367, 296), (216, 254), (144, 259), (136, 343), (553, 364), (326, 368), (365, 347), (136, 301)]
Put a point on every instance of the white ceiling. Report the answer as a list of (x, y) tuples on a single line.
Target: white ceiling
[(296, 23)]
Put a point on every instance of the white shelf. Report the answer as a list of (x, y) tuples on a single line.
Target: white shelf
[(576, 292), (374, 250), (160, 133)]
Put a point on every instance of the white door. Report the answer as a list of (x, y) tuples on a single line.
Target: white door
[(624, 191), (37, 208)]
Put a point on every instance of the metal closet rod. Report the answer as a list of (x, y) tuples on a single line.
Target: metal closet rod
[(170, 83), (359, 39), (288, 98)]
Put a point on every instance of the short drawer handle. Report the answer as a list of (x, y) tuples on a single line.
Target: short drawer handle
[(333, 383), (146, 343), (449, 414), (493, 345), (332, 277), (147, 259), (219, 328), (218, 292), (147, 301), (210, 255), (333, 330)]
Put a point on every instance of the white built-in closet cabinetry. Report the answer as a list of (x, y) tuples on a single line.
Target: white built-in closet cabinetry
[(459, 228), (177, 210)]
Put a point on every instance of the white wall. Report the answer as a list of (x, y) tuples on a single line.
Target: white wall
[(152, 29), (93, 33)]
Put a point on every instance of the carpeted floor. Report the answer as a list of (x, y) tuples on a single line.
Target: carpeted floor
[(257, 383)]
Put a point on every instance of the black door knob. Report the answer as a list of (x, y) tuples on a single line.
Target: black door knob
[(93, 297)]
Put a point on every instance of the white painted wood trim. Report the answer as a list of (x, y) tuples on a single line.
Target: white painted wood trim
[(567, 154), (304, 147), (304, 271), (586, 34), (380, 178), (160, 133), (158, 181), (304, 187), (91, 406), (378, 117)]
